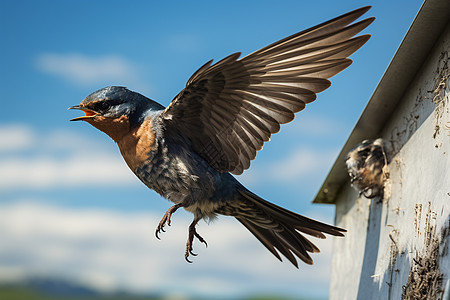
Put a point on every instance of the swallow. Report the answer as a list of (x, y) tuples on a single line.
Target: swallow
[(188, 151), (366, 167)]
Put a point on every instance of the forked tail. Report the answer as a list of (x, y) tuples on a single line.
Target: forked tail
[(278, 228)]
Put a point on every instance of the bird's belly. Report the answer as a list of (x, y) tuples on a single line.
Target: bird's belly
[(183, 181)]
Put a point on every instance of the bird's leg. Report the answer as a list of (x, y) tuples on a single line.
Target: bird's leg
[(192, 233), (166, 219)]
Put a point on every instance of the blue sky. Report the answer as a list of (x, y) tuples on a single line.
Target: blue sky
[(68, 204)]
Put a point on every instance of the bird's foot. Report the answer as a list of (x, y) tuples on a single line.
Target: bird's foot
[(166, 219), (192, 233)]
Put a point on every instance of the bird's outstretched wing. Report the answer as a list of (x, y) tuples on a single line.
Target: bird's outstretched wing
[(229, 109)]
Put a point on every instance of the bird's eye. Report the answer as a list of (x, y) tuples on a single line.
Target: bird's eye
[(101, 106), (364, 153)]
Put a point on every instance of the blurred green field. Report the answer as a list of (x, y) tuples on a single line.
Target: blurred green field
[(22, 293), (25, 293), (60, 289)]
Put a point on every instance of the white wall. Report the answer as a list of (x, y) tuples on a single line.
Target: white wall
[(385, 235)]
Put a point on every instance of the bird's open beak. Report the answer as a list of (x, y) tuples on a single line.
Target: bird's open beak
[(89, 114)]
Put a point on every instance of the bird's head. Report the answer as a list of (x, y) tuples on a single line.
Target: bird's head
[(115, 110)]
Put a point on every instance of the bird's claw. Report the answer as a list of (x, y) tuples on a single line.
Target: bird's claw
[(159, 229), (189, 252), (192, 233), (166, 219), (201, 239)]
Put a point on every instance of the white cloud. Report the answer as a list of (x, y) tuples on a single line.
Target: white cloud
[(76, 170), (84, 70), (57, 159), (302, 163), (112, 250), (309, 124), (15, 137)]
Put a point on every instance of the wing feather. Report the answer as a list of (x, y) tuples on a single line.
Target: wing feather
[(229, 109)]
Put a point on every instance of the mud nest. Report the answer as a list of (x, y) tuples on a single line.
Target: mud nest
[(425, 278)]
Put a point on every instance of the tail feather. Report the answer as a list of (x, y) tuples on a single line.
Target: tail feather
[(272, 241), (304, 224), (279, 229), (263, 235)]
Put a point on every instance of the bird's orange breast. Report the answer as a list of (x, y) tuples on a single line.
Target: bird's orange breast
[(137, 145)]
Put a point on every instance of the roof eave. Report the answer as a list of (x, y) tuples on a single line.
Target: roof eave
[(426, 28)]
